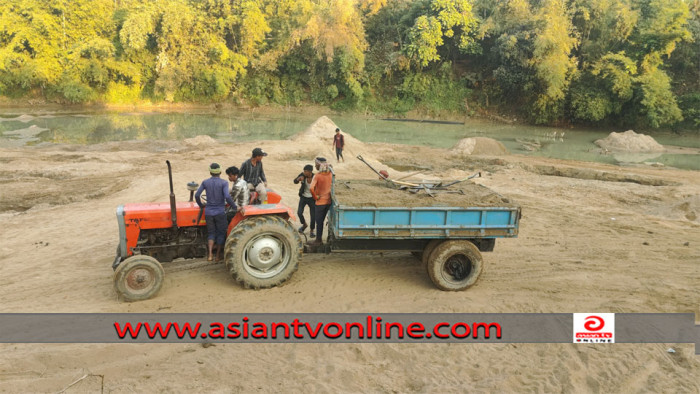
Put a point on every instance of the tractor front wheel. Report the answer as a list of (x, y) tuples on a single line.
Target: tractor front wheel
[(455, 265), (138, 278), (263, 251)]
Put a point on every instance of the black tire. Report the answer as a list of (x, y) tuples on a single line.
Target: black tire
[(455, 265), (117, 258), (138, 278), (429, 247), (263, 251)]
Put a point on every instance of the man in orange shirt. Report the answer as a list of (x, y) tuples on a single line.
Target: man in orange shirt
[(321, 192)]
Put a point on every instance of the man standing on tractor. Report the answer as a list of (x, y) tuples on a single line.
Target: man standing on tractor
[(215, 211), (253, 173), (239, 191), (338, 144), (305, 198), (321, 191)]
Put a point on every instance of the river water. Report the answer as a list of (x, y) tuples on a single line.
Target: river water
[(27, 127)]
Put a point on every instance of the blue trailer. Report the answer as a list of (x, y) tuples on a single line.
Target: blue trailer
[(448, 240)]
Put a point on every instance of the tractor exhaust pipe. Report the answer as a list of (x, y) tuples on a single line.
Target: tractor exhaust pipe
[(173, 212)]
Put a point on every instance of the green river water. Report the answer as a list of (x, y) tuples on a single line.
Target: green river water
[(27, 127)]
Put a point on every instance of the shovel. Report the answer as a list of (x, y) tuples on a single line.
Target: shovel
[(477, 175)]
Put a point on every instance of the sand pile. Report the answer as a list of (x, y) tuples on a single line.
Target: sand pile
[(479, 146), (376, 193), (318, 138), (629, 141), (22, 118), (200, 140)]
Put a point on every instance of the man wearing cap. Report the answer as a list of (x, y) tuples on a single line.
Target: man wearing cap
[(215, 212), (253, 173)]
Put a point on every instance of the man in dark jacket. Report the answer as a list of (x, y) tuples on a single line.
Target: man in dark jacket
[(305, 198), (338, 144), (253, 173)]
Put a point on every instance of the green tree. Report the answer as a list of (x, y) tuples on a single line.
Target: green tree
[(437, 21), (624, 47), (552, 60)]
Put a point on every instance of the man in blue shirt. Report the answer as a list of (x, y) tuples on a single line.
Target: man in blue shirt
[(215, 212)]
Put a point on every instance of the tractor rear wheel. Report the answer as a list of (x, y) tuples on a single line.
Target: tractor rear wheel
[(138, 278), (455, 265), (263, 251)]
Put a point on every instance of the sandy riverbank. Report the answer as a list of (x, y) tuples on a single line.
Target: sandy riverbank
[(593, 237)]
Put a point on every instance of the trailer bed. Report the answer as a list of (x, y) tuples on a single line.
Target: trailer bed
[(425, 222), (362, 210)]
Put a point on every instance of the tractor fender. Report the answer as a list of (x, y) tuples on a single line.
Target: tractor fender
[(261, 209)]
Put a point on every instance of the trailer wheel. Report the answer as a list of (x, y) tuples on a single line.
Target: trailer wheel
[(455, 265), (263, 251), (429, 247), (138, 278)]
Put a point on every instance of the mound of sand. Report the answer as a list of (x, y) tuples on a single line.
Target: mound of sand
[(200, 140), (319, 138), (479, 146), (629, 141), (22, 118), (376, 193)]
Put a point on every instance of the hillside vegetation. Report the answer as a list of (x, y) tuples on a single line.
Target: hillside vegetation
[(624, 62)]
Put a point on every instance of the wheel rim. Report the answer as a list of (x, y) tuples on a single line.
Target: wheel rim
[(457, 268), (266, 255), (140, 280)]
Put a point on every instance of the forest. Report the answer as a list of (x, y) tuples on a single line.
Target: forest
[(631, 63)]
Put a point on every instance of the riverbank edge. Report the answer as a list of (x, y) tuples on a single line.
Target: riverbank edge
[(148, 106), (307, 108)]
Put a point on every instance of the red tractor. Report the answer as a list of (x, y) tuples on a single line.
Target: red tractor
[(262, 247)]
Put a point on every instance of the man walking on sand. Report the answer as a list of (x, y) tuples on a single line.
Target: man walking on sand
[(306, 198), (321, 191), (215, 211), (339, 144), (253, 173)]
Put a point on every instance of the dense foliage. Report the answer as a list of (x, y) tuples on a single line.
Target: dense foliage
[(627, 62)]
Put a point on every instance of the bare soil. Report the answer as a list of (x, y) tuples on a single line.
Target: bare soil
[(628, 241)]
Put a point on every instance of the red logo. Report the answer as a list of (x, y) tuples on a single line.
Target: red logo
[(594, 328), (594, 323)]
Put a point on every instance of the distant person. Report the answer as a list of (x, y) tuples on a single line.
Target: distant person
[(215, 211), (253, 173), (239, 191), (306, 198), (338, 144), (321, 190)]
